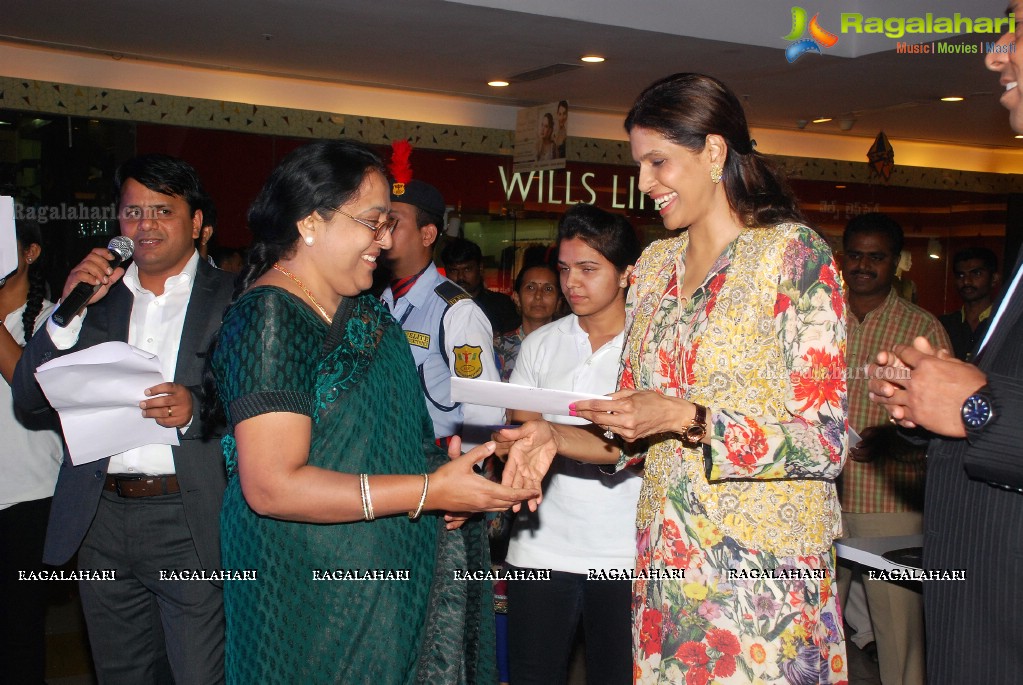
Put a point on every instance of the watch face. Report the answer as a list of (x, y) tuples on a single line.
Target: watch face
[(695, 433), (976, 411)]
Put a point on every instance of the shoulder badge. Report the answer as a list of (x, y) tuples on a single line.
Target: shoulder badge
[(468, 361), (450, 293)]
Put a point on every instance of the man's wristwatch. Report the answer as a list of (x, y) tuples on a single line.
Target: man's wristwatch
[(697, 428), (977, 411)]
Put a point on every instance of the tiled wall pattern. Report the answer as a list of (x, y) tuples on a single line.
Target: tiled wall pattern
[(99, 103)]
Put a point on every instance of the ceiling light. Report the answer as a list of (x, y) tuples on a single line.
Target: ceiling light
[(934, 248), (952, 98), (821, 120), (592, 59), (840, 187), (1020, 136), (497, 84)]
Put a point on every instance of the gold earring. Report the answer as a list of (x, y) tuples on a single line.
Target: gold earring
[(715, 173)]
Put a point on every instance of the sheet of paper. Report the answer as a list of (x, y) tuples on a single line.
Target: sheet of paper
[(96, 392), (494, 394), (8, 238)]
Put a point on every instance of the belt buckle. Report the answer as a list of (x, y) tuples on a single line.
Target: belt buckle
[(117, 487)]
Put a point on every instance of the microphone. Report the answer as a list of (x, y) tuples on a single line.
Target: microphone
[(122, 248)]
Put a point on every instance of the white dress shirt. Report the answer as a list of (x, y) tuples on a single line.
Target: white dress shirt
[(155, 326)]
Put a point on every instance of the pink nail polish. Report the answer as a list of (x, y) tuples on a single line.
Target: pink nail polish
[(571, 411)]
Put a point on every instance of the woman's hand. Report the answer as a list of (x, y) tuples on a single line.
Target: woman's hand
[(635, 414), (457, 488), (533, 446)]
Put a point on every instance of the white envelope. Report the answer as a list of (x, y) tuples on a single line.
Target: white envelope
[(510, 396)]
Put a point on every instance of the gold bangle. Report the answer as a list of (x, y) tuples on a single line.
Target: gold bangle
[(367, 498), (422, 499)]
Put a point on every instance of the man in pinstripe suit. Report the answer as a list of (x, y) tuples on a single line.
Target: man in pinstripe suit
[(973, 507)]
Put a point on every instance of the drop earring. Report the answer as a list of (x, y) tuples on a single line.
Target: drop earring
[(309, 240), (715, 173)]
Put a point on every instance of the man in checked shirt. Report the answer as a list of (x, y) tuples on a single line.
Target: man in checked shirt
[(882, 485)]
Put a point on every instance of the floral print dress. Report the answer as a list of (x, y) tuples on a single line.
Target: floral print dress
[(734, 550)]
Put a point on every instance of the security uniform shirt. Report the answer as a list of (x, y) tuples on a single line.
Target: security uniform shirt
[(449, 336)]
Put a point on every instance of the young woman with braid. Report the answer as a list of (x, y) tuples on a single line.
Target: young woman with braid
[(29, 459)]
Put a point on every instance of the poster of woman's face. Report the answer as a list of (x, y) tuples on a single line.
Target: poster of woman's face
[(541, 137)]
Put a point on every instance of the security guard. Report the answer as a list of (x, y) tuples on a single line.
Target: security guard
[(448, 333)]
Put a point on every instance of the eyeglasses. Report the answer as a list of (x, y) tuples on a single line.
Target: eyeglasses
[(379, 229)]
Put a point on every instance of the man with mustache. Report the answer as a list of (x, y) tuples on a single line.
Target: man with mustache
[(974, 516), (463, 261), (881, 487), (151, 509), (976, 274)]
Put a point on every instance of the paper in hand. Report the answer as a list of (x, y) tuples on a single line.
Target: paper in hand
[(96, 393), (511, 396), (8, 237)]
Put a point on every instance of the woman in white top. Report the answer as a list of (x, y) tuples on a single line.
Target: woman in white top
[(584, 527), (29, 461)]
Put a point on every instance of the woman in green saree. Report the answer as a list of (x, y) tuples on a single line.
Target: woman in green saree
[(328, 449)]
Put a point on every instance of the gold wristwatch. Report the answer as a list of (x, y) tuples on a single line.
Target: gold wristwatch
[(697, 428)]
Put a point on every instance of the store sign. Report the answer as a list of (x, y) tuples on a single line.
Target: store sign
[(560, 187)]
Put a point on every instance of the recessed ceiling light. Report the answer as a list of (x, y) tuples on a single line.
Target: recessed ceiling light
[(952, 98), (821, 120), (497, 84), (593, 59)]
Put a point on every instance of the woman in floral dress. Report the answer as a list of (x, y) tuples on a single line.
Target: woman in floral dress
[(732, 399)]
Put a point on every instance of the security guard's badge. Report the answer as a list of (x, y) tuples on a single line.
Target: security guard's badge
[(468, 361), (418, 339)]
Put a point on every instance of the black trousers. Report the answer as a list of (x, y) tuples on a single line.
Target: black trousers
[(23, 602), (544, 615), (140, 623)]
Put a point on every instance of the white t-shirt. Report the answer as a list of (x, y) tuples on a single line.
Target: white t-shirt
[(587, 518), (29, 459)]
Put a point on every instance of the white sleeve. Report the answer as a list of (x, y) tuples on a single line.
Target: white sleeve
[(67, 337), (469, 346)]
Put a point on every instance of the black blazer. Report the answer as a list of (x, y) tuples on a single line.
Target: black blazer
[(199, 463), (973, 520)]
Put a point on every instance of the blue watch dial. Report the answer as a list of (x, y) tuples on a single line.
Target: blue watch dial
[(976, 411)]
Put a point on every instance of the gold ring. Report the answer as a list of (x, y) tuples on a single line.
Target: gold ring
[(170, 411)]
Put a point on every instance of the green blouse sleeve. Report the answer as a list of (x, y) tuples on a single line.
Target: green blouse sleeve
[(267, 356)]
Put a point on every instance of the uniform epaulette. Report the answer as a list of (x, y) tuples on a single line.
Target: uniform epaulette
[(450, 292)]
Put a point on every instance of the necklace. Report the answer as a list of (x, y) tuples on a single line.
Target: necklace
[(277, 266)]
